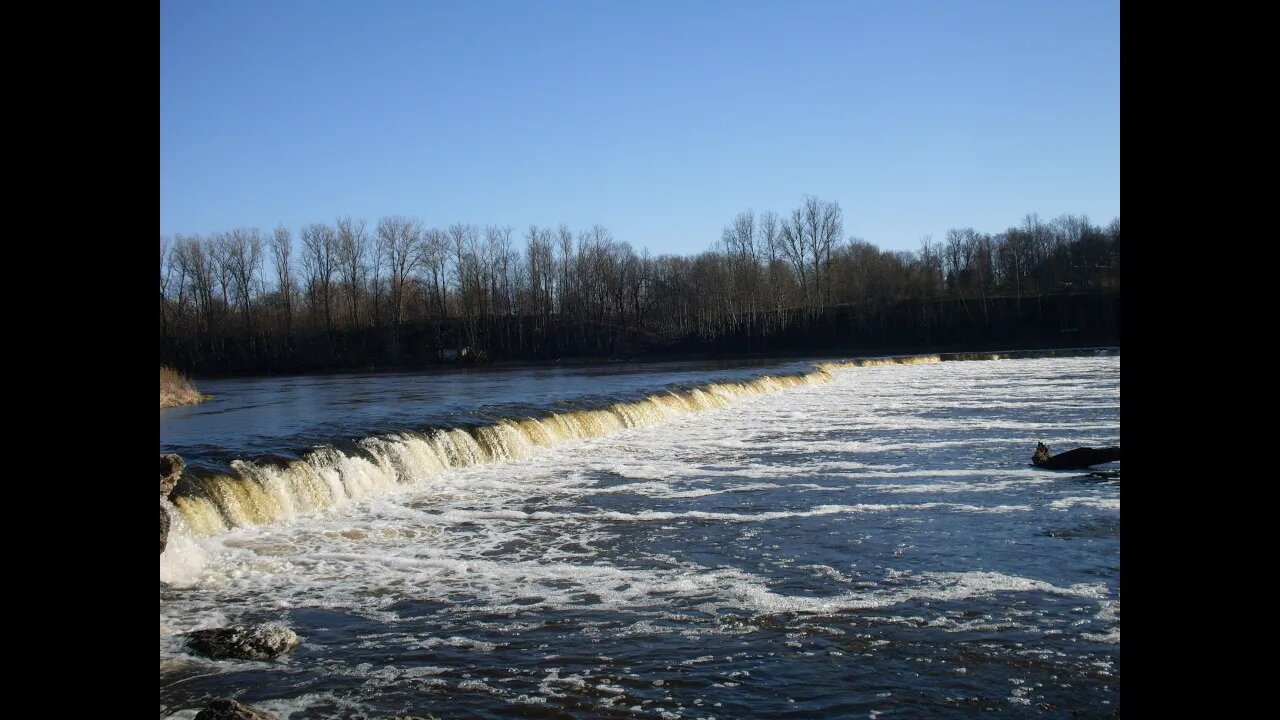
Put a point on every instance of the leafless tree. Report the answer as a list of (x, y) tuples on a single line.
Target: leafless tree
[(436, 261), (242, 256), (352, 248), (282, 254), (401, 241), (320, 263), (770, 282)]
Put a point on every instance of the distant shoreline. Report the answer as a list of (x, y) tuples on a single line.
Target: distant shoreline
[(1013, 351)]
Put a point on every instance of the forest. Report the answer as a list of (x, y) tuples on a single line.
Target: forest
[(401, 294)]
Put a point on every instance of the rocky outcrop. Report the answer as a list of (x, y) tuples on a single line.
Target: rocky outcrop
[(171, 467), (232, 710), (170, 470), (1077, 459), (261, 642)]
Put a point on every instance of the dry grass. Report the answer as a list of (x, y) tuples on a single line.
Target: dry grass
[(176, 389)]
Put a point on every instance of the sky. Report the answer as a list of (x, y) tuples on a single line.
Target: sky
[(659, 120)]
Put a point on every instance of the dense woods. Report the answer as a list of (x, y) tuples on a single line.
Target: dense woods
[(398, 293)]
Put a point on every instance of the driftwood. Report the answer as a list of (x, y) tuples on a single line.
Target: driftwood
[(1074, 459)]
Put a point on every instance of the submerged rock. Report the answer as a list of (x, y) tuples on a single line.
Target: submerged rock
[(164, 527), (262, 642), (1077, 459), (170, 470), (232, 710)]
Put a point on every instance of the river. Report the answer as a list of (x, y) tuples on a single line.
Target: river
[(697, 540)]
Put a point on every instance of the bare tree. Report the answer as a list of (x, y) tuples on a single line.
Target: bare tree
[(792, 278), (770, 252), (739, 237), (568, 289), (320, 262), (540, 259), (931, 265), (195, 263), (166, 275), (469, 276), (219, 252), (498, 251), (435, 250), (742, 251), (824, 223), (351, 258), (377, 264), (281, 254), (242, 256), (794, 244), (401, 241)]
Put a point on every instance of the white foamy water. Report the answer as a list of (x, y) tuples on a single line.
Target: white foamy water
[(896, 495)]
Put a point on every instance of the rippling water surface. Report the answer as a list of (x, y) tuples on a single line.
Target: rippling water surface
[(875, 545)]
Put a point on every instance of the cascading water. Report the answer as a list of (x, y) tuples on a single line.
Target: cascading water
[(815, 542), (264, 492), (326, 477)]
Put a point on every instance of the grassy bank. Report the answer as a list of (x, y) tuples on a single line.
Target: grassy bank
[(176, 389)]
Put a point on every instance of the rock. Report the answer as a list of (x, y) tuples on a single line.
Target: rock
[(232, 710), (164, 527), (170, 470), (171, 467), (262, 642), (1077, 459)]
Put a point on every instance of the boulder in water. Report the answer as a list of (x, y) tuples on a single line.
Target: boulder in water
[(170, 470), (1077, 459), (261, 642), (232, 710), (164, 527)]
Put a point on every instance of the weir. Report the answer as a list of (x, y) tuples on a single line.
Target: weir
[(261, 492)]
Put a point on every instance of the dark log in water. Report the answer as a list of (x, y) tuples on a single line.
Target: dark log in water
[(1074, 459)]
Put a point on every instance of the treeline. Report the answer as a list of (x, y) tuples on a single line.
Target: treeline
[(400, 293)]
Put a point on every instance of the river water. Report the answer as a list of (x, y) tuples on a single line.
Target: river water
[(669, 540)]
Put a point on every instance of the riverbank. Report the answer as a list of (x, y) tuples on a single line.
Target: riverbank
[(951, 326), (177, 390), (652, 358)]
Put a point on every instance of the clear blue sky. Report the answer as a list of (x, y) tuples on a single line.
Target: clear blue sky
[(659, 120)]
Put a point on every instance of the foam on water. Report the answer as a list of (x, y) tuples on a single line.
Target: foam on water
[(326, 478), (814, 508), (1105, 503)]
